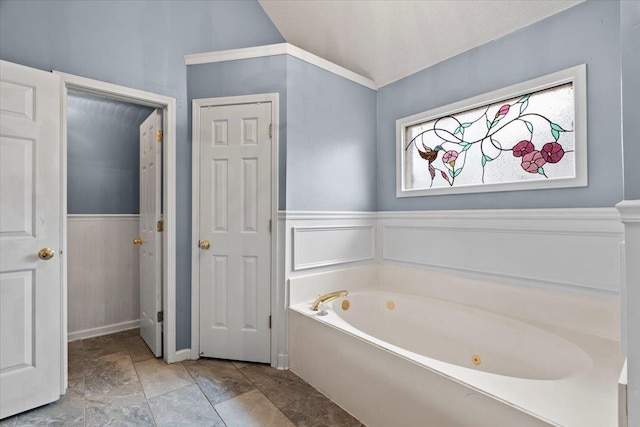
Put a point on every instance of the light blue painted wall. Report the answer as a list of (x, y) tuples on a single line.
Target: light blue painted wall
[(588, 33), (140, 44), (246, 77), (327, 128), (103, 155), (331, 151), (630, 52)]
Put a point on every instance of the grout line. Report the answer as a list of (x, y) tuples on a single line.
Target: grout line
[(204, 394), (264, 394)]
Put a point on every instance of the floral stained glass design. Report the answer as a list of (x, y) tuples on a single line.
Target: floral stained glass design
[(525, 138)]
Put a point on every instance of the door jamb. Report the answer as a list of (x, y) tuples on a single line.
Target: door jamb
[(197, 105), (168, 106)]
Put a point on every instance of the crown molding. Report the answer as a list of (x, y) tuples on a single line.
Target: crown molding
[(278, 49)]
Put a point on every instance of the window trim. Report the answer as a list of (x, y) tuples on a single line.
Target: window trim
[(576, 75)]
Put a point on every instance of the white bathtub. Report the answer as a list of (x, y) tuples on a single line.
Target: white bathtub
[(393, 359)]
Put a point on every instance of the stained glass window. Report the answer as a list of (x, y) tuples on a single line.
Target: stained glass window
[(502, 145)]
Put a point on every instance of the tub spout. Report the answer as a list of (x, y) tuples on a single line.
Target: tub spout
[(328, 297)]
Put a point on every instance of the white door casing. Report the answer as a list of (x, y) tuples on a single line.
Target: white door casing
[(30, 218), (234, 217), (168, 106), (151, 240)]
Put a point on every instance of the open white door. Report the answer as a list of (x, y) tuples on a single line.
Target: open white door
[(30, 214), (235, 241), (150, 240)]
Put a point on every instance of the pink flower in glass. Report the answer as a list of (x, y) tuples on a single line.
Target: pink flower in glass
[(552, 152), (531, 162), (523, 147), (450, 157), (503, 110)]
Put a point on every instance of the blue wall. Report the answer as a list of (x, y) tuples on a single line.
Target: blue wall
[(327, 128), (587, 33), (140, 44), (103, 155), (630, 52), (331, 151)]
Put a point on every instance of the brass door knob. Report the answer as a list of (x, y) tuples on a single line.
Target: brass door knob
[(138, 241), (205, 244), (46, 253)]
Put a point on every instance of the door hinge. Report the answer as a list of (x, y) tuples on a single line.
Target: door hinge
[(270, 226), (159, 136), (269, 321), (271, 130), (160, 226), (160, 317)]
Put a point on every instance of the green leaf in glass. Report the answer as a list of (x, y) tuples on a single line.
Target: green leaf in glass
[(524, 99), (524, 106), (457, 172), (555, 134), (529, 126)]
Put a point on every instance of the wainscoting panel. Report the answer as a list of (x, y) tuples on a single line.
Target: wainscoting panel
[(574, 250), (324, 241), (323, 246), (103, 274)]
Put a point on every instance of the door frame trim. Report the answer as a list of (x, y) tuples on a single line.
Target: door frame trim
[(197, 105), (168, 106)]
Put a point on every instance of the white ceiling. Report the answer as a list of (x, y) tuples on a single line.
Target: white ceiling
[(386, 40)]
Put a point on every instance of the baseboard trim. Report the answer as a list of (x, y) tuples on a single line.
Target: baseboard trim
[(283, 361), (103, 330), (181, 355)]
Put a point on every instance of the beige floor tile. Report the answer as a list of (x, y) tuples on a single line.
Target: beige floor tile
[(158, 378), (251, 409), (138, 349), (239, 364), (218, 379), (186, 407)]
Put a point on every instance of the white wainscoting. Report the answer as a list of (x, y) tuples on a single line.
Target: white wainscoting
[(103, 278), (324, 246), (316, 242), (574, 250), (328, 239)]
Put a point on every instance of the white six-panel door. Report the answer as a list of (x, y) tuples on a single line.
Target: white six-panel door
[(30, 291), (235, 209), (150, 242)]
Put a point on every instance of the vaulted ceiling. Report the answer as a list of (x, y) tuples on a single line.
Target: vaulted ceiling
[(386, 40)]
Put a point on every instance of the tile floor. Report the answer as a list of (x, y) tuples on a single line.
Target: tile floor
[(114, 380)]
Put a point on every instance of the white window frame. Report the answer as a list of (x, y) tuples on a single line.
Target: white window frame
[(576, 75)]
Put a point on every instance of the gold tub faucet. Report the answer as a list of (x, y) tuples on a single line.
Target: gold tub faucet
[(328, 297)]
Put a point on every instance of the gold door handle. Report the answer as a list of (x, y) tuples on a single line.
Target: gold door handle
[(46, 254), (138, 241), (205, 244)]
